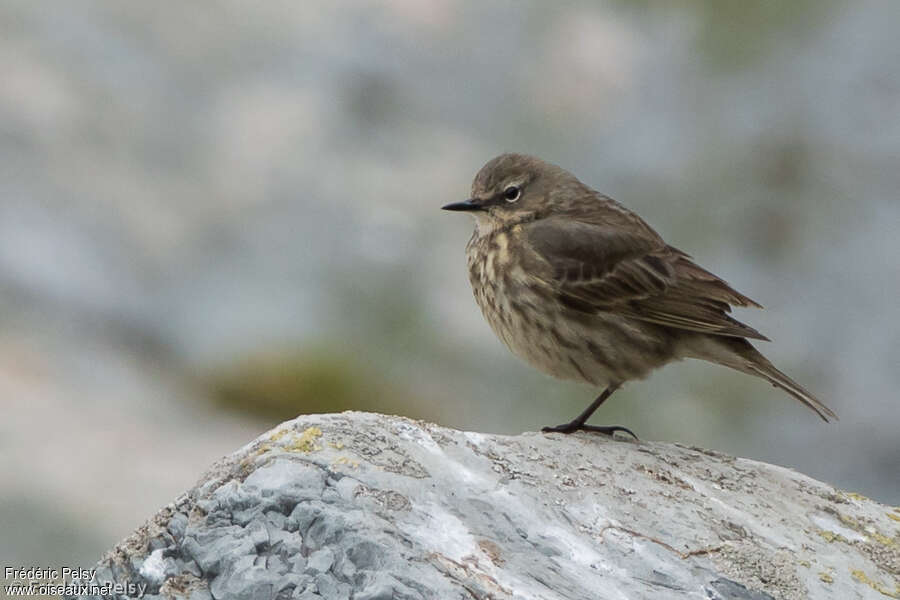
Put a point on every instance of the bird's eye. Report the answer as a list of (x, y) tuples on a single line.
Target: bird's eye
[(512, 193)]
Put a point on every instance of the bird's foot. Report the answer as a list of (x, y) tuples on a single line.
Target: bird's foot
[(575, 426)]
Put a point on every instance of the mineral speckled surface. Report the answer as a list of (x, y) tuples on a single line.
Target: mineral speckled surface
[(370, 507)]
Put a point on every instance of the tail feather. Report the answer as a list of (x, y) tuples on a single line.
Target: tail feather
[(779, 379), (740, 354)]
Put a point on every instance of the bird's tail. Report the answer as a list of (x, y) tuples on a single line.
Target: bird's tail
[(739, 354)]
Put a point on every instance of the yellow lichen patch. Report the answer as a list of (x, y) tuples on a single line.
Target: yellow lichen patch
[(830, 536), (879, 587), (855, 496), (336, 445), (883, 539), (869, 532), (804, 563), (894, 515), (346, 461), (826, 577), (260, 450), (279, 434), (305, 442), (851, 522)]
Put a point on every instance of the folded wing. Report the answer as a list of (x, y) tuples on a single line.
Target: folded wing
[(633, 272)]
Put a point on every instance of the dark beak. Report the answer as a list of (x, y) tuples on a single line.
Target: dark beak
[(467, 205)]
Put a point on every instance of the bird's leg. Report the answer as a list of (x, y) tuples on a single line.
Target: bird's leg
[(577, 424)]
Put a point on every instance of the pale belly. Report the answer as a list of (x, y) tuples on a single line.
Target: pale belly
[(600, 349)]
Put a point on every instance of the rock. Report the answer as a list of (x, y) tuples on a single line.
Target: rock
[(368, 506)]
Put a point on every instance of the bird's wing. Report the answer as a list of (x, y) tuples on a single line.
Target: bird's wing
[(599, 268)]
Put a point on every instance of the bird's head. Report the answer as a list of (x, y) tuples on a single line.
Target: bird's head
[(514, 188)]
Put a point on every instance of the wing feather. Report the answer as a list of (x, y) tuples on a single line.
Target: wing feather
[(630, 271)]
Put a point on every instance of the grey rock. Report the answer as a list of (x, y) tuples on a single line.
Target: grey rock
[(243, 581), (276, 564), (160, 543), (200, 594), (226, 545), (285, 483), (287, 543), (328, 587), (725, 589), (298, 563), (258, 533), (177, 525), (292, 581), (383, 585), (245, 516), (191, 567), (372, 507), (153, 569), (381, 591), (346, 487), (320, 561), (276, 519), (326, 529), (365, 555), (303, 516)]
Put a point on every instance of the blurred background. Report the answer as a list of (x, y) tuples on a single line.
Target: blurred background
[(215, 217)]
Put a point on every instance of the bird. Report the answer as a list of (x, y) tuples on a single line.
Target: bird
[(583, 289)]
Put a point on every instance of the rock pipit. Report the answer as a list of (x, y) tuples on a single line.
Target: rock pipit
[(582, 288)]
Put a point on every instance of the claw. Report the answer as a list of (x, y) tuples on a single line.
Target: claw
[(575, 426)]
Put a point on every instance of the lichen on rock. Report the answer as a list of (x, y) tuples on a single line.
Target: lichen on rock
[(367, 506)]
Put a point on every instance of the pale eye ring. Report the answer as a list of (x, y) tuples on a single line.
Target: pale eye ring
[(512, 193)]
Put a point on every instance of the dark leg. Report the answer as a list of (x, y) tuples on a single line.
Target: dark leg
[(577, 424)]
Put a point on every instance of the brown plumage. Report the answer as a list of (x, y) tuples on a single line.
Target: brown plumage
[(582, 288)]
